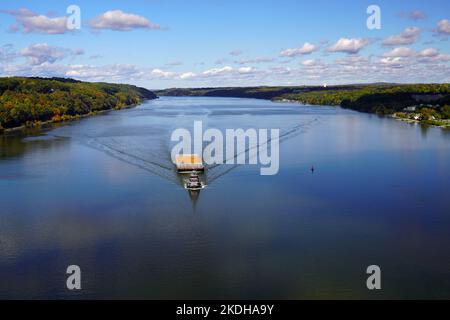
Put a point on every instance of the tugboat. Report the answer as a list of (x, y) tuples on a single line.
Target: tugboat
[(194, 183)]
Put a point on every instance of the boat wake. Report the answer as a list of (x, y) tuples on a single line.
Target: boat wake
[(157, 161), (217, 171), (117, 150)]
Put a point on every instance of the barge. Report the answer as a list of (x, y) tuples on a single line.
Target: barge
[(189, 163)]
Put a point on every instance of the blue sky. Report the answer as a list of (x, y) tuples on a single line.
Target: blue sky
[(160, 44)]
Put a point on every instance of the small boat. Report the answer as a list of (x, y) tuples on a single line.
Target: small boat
[(194, 183)]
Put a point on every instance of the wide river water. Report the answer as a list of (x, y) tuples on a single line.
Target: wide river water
[(102, 193)]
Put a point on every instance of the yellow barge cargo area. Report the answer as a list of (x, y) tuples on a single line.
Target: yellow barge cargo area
[(189, 163)]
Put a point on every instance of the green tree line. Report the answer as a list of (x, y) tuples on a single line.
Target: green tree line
[(29, 101), (374, 98)]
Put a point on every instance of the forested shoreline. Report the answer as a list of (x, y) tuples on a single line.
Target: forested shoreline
[(32, 101), (427, 103)]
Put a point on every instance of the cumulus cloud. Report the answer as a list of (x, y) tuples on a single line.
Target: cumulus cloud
[(161, 74), (31, 22), (408, 36), (307, 48), (353, 60), (40, 53), (428, 59), (429, 52), (396, 62), (430, 55), (218, 71), (392, 69), (109, 73), (117, 72), (245, 70), (400, 52), (187, 75), (442, 58), (443, 27), (309, 62), (350, 46), (118, 20)]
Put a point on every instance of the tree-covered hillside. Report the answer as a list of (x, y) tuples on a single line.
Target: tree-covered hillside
[(29, 101), (374, 98)]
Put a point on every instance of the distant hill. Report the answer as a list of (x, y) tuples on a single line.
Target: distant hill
[(29, 101), (381, 98)]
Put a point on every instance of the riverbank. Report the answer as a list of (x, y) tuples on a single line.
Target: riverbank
[(383, 99), (443, 124), (34, 102), (48, 123)]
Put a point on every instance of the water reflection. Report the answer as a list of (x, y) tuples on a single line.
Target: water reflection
[(103, 193), (18, 145)]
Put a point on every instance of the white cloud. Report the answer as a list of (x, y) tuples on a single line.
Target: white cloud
[(161, 74), (443, 27), (307, 48), (187, 75), (245, 70), (120, 21), (109, 73), (352, 60), (442, 58), (31, 22), (429, 52), (408, 36), (350, 46), (117, 72), (351, 67), (40, 53), (431, 55), (392, 61), (224, 72), (400, 52), (218, 71), (309, 63)]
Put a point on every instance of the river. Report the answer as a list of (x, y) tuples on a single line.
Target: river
[(102, 193)]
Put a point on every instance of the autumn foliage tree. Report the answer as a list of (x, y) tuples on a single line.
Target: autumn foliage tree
[(32, 100)]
